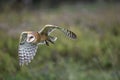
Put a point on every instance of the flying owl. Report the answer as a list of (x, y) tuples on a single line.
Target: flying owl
[(29, 41)]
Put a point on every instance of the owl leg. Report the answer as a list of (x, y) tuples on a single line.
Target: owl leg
[(51, 41)]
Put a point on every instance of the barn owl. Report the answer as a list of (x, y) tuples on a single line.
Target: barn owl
[(29, 41)]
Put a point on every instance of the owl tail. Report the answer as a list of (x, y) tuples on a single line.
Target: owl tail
[(68, 33)]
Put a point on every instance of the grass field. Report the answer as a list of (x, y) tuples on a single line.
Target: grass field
[(94, 55)]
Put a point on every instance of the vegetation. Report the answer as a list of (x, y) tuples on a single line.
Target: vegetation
[(93, 56)]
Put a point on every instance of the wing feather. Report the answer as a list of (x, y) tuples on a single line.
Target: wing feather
[(47, 29), (26, 51)]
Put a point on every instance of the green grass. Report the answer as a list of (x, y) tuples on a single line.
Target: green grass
[(93, 56)]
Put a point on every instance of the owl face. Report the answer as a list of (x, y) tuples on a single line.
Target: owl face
[(30, 38)]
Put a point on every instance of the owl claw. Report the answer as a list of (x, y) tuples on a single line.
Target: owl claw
[(46, 42)]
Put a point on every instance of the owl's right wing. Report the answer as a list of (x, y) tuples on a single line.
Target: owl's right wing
[(26, 51)]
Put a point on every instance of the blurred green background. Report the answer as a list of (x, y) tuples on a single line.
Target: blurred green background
[(95, 55)]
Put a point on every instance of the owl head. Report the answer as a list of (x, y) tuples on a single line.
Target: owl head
[(29, 37)]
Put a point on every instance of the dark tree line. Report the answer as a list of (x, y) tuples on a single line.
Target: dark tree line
[(48, 3)]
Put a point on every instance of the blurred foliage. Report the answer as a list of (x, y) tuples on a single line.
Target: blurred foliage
[(30, 4), (93, 56)]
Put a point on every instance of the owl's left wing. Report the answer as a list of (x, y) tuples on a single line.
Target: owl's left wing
[(50, 28), (26, 51), (47, 29)]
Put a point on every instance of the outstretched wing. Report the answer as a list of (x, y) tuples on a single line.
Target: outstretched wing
[(50, 28), (47, 29), (26, 51)]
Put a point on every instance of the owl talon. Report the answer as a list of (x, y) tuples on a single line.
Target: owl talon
[(47, 43)]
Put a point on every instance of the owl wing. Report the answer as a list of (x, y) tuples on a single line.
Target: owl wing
[(26, 51), (47, 29), (50, 28)]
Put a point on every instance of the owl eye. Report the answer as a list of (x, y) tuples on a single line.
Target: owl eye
[(31, 37)]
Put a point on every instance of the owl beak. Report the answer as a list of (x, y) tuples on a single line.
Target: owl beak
[(29, 39)]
